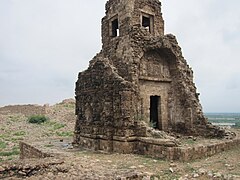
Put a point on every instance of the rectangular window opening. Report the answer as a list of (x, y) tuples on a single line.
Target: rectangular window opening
[(148, 22), (115, 28)]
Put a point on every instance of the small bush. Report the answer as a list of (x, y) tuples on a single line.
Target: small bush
[(37, 119)]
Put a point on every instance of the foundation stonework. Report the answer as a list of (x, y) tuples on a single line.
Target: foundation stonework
[(139, 80)]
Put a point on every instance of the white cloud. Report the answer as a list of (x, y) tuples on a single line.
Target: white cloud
[(208, 31), (44, 44)]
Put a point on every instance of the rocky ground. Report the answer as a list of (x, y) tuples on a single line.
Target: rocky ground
[(91, 165)]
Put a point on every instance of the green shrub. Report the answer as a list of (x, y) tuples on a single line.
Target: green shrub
[(37, 119)]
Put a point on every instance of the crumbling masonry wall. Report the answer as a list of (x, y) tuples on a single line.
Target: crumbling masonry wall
[(26, 110), (139, 78)]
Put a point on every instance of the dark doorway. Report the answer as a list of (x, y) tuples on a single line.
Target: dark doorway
[(115, 28), (155, 111)]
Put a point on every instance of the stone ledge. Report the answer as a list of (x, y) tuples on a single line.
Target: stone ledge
[(45, 148), (168, 80), (161, 142), (201, 151), (159, 148), (162, 149), (156, 141)]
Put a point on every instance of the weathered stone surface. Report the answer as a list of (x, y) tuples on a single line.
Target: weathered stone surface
[(28, 151), (19, 171), (139, 79)]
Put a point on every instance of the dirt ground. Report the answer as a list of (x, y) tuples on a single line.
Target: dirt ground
[(83, 164)]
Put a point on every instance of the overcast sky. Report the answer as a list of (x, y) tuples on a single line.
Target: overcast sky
[(45, 43)]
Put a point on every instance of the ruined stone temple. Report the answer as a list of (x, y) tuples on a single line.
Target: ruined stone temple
[(139, 88)]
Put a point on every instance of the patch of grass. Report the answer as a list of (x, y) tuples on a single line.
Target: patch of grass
[(20, 133), (58, 126), (48, 145), (14, 151), (48, 134), (65, 133), (53, 126), (15, 118), (4, 136), (50, 123), (9, 153), (3, 145), (147, 161), (70, 106), (16, 139), (189, 168), (10, 158), (37, 119)]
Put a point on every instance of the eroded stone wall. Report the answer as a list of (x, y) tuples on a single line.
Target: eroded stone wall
[(29, 151)]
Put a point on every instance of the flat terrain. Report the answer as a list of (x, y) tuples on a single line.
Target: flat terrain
[(82, 164)]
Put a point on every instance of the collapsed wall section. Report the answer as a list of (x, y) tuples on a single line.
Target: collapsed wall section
[(162, 67), (104, 104)]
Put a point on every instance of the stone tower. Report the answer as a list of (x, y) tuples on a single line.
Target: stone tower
[(139, 80)]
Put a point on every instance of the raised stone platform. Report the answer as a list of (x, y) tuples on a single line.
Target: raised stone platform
[(157, 148), (45, 148)]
